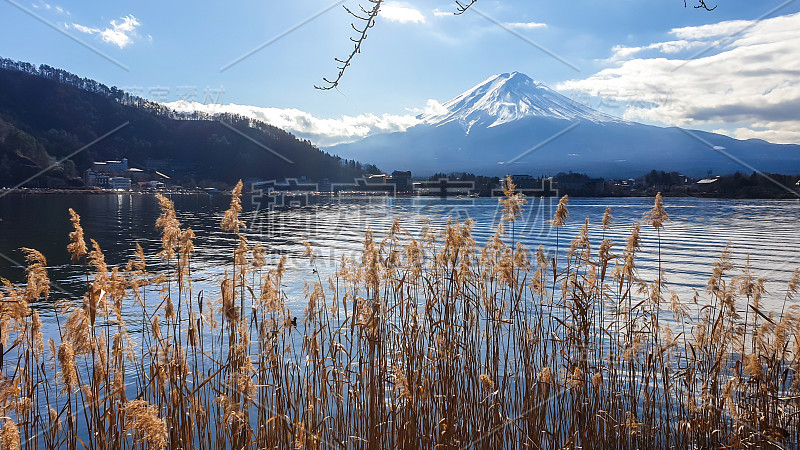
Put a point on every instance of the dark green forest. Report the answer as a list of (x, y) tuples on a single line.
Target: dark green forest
[(46, 114)]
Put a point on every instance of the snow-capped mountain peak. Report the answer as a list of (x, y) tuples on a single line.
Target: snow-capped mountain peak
[(508, 97)]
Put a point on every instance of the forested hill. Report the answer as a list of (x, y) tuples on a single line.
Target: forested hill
[(46, 114)]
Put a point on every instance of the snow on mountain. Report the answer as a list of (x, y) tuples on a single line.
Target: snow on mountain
[(509, 97)]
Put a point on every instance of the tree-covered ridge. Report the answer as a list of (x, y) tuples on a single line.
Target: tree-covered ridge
[(47, 113)]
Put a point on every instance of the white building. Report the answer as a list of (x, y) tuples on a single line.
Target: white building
[(96, 179), (119, 183)]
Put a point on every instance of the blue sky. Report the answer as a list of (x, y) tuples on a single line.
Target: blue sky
[(418, 52)]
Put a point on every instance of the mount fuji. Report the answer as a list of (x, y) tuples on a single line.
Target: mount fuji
[(513, 124), (506, 98)]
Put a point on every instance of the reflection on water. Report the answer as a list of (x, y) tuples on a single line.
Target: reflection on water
[(698, 230)]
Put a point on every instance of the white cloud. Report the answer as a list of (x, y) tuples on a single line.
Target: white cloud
[(788, 131), (525, 25), (121, 33), (401, 12), (84, 29), (713, 30), (745, 79), (439, 13), (48, 7), (622, 52), (433, 109), (322, 132)]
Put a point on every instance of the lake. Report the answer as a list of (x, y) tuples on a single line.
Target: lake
[(692, 240), (698, 231)]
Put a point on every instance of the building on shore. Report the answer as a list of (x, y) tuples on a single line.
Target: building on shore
[(378, 178), (120, 175), (708, 184), (106, 180), (151, 185), (119, 183), (110, 166), (96, 179)]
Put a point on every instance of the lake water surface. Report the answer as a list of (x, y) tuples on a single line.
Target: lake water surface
[(698, 231)]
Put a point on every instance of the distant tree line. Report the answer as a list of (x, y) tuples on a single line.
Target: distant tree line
[(659, 177), (755, 185)]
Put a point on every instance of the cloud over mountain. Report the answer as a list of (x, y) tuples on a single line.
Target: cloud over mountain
[(120, 33), (320, 131), (739, 76)]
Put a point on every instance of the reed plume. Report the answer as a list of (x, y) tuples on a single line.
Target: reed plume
[(69, 374), (77, 245), (512, 201), (142, 418), (562, 214), (9, 436), (38, 283), (657, 216), (170, 227), (230, 221)]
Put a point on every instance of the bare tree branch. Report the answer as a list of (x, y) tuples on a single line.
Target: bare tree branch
[(701, 4), (461, 9), (367, 19)]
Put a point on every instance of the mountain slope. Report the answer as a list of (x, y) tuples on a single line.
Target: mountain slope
[(46, 114), (508, 97), (512, 124)]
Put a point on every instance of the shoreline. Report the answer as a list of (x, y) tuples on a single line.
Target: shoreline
[(27, 191), (711, 195)]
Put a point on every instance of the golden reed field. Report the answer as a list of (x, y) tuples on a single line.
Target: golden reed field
[(430, 341)]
